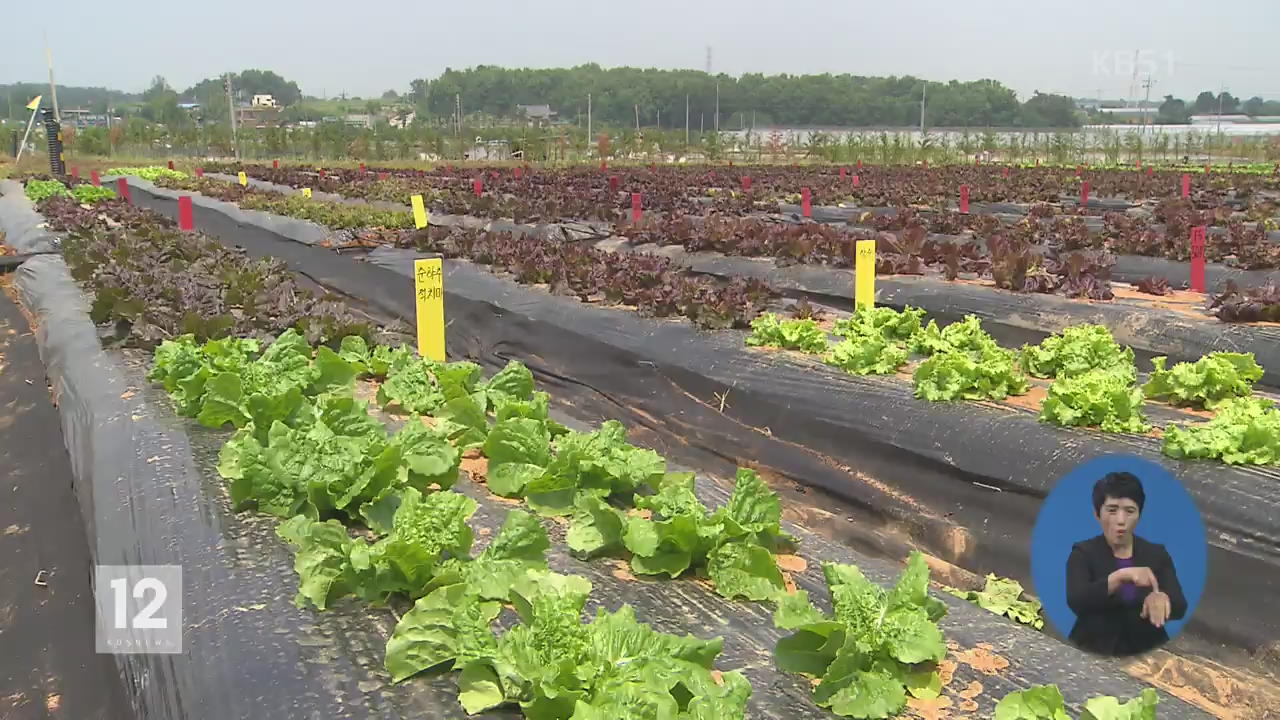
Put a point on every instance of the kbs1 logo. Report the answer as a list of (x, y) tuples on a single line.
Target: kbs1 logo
[(1127, 63)]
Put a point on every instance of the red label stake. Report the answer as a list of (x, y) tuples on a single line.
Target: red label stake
[(1186, 185), (613, 183), (477, 187), (1084, 193), (199, 172), (122, 188), (186, 220), (94, 178), (1197, 258), (806, 202), (964, 198), (857, 181), (635, 208), (746, 182)]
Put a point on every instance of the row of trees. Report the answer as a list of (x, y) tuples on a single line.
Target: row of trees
[(660, 98), (1176, 111)]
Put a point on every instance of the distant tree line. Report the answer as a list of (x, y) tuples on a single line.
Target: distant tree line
[(1175, 111), (804, 100)]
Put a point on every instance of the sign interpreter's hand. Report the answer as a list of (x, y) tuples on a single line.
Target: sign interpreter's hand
[(1156, 608)]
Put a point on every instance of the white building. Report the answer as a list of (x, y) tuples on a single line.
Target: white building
[(264, 101)]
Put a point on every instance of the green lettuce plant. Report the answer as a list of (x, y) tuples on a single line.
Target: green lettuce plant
[(1243, 431), (769, 330), (876, 647), (1102, 398), (1206, 382)]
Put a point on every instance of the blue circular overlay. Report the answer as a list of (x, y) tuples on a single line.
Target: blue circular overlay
[(1169, 517)]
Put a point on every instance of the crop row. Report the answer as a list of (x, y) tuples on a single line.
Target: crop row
[(1094, 379), (154, 283), (306, 450), (653, 285), (1048, 257), (675, 189)]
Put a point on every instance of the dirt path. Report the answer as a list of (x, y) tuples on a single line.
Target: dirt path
[(48, 668)]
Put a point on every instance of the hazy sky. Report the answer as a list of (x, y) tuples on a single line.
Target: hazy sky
[(1079, 47)]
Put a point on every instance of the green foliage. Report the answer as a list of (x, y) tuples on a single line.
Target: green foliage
[(1205, 382), (1003, 596), (150, 173), (870, 355), (324, 463), (989, 373), (91, 194), (876, 646), (1243, 431), (524, 462), (552, 665), (40, 190), (336, 215), (843, 100), (882, 322), (1102, 398), (1077, 350), (226, 381), (734, 545), (769, 330), (964, 336), (312, 470), (1045, 702), (876, 340)]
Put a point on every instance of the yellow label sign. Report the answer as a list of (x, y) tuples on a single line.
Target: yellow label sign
[(864, 274), (420, 217), (306, 192), (428, 289), (244, 179)]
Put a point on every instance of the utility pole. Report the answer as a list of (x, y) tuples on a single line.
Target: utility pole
[(1221, 92), (1146, 102), (53, 88), (923, 89), (588, 119), (686, 119), (637, 119), (457, 114), (717, 120), (231, 110), (658, 122)]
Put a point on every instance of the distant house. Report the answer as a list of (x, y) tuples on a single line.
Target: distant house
[(402, 118), (1215, 119), (264, 101), (257, 117), (540, 114), (77, 117), (360, 120)]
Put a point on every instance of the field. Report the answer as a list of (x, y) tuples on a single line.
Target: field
[(659, 391)]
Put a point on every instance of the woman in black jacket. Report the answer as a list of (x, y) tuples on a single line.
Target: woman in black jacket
[(1123, 589)]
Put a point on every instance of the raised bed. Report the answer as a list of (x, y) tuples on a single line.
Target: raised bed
[(921, 473), (148, 496), (1175, 326)]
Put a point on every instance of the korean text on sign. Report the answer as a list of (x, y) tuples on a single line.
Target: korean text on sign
[(428, 282)]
